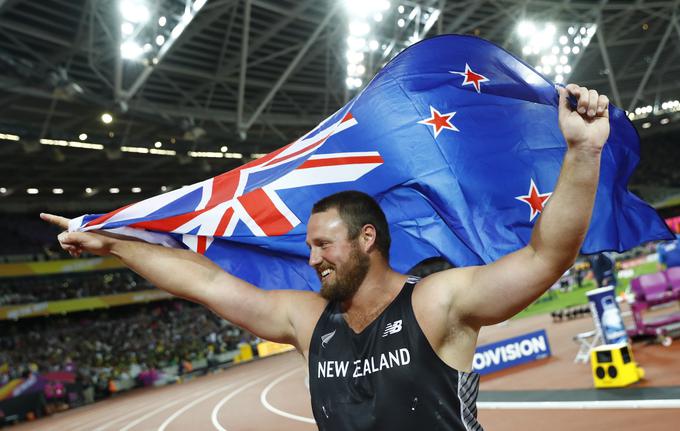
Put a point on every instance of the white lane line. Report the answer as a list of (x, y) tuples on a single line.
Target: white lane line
[(191, 404), (271, 408), (218, 406), (116, 418), (113, 413), (151, 413), (580, 405)]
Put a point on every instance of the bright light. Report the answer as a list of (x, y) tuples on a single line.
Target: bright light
[(526, 50), (107, 118), (547, 70), (359, 28), (349, 82), (224, 149), (157, 144), (164, 188), (82, 136), (136, 190), (558, 68), (665, 121), (401, 22), (58, 191), (89, 190), (577, 40), (539, 69), (567, 69), (162, 21), (114, 190), (361, 69), (373, 45), (147, 47), (582, 30), (127, 28), (550, 29), (3, 190), (526, 28), (646, 125), (131, 50), (358, 82), (160, 40), (351, 69), (355, 57), (134, 11), (564, 59), (563, 40), (378, 17), (9, 137), (586, 41), (571, 30), (559, 79), (400, 9), (356, 43), (555, 49), (32, 191), (566, 50), (575, 50)]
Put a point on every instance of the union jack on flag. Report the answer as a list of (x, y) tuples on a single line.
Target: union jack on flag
[(457, 140)]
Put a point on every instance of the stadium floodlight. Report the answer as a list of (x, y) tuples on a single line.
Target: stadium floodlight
[(127, 28), (575, 50), (136, 190), (564, 59), (107, 118), (664, 121), (400, 8), (32, 191), (359, 28), (559, 79), (567, 69), (356, 43), (563, 40), (355, 57), (164, 188), (224, 148), (134, 11), (58, 191), (361, 69), (162, 21), (3, 190), (378, 17), (646, 125), (9, 137), (526, 28), (160, 40), (82, 136), (401, 23), (158, 144), (114, 190), (130, 50), (373, 45), (349, 81)]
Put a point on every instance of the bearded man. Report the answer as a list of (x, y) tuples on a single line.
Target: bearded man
[(384, 350)]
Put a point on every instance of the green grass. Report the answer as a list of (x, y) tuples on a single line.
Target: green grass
[(560, 300)]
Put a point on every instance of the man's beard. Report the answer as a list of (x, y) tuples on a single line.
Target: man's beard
[(348, 277)]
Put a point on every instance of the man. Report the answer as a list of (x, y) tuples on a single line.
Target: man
[(383, 352), (603, 266)]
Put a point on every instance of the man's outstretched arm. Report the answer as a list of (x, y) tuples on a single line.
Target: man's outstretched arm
[(492, 293), (192, 276)]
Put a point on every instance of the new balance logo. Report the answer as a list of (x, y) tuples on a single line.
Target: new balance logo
[(392, 328), (326, 338)]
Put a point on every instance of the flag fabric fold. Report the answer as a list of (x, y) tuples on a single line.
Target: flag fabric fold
[(456, 138)]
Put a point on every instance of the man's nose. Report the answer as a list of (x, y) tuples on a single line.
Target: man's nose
[(314, 257)]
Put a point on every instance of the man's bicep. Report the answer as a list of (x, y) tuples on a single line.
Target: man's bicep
[(495, 292), (261, 312)]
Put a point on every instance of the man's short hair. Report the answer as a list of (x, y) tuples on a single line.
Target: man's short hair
[(358, 209)]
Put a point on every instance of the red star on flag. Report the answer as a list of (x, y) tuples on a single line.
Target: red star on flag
[(439, 121), (471, 77), (534, 199)]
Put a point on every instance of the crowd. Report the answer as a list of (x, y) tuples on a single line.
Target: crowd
[(658, 166), (118, 343), (26, 290)]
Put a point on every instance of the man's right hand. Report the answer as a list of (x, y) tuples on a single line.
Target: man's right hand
[(75, 243)]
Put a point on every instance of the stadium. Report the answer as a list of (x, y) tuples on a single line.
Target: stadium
[(211, 127)]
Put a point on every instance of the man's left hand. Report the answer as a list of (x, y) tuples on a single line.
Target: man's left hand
[(586, 127)]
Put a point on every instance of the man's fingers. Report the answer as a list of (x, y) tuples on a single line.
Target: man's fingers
[(593, 98), (602, 104), (56, 220)]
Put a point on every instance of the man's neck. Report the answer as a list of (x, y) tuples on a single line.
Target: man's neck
[(377, 291)]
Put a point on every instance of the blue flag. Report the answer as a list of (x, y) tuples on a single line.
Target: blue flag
[(456, 138)]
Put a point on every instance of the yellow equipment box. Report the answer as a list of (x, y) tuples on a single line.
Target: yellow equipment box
[(613, 366)]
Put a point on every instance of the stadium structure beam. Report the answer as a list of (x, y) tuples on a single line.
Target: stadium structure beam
[(240, 126), (468, 10), (35, 32), (191, 12), (270, 6), (293, 64), (607, 63), (652, 64)]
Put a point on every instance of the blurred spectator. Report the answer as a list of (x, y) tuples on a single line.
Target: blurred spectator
[(669, 253)]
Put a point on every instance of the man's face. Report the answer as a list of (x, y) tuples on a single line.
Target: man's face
[(340, 263)]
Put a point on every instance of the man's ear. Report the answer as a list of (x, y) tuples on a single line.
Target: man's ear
[(368, 237)]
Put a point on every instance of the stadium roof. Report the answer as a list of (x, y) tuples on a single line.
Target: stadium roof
[(253, 75)]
